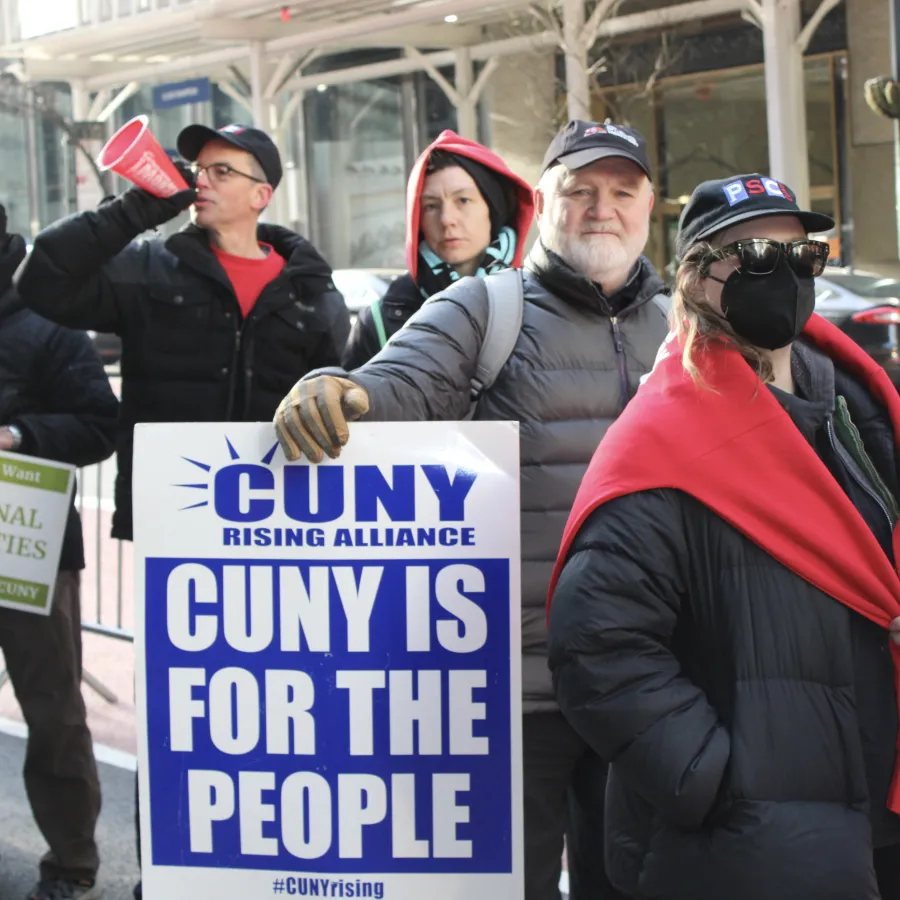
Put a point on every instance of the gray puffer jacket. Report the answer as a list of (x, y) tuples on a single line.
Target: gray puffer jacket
[(578, 360)]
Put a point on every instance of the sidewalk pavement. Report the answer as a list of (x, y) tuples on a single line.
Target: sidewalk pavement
[(21, 844)]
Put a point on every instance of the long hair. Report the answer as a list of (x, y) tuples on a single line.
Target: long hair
[(697, 323)]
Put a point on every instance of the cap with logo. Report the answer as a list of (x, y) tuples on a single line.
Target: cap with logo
[(194, 138), (716, 205), (582, 143)]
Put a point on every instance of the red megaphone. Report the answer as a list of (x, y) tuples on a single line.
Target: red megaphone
[(135, 154)]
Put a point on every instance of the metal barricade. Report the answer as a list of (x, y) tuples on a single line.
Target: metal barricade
[(107, 583)]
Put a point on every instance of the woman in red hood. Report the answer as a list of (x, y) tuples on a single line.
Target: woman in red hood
[(467, 213)]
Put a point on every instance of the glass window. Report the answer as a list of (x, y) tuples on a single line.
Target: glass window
[(226, 111), (712, 125), (357, 173), (715, 126), (436, 111), (55, 162), (14, 172)]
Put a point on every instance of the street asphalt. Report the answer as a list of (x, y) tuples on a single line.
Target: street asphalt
[(21, 844)]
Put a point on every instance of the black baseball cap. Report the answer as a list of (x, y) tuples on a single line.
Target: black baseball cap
[(717, 205), (195, 137), (582, 143)]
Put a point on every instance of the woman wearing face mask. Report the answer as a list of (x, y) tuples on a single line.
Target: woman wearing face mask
[(467, 214), (721, 606)]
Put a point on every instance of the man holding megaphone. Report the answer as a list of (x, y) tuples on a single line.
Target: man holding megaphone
[(219, 321)]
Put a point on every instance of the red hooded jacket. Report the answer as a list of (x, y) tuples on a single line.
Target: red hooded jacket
[(453, 143), (737, 451)]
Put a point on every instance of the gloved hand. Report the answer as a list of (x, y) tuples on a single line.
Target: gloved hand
[(312, 419), (145, 211)]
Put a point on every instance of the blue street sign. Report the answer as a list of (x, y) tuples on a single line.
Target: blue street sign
[(180, 93)]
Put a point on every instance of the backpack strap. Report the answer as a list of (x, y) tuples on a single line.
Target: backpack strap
[(506, 307), (663, 302), (378, 319)]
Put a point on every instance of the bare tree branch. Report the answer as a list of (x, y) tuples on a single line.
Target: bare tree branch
[(603, 10), (664, 61), (548, 18), (600, 69)]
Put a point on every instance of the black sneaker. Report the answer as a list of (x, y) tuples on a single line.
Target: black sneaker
[(65, 889)]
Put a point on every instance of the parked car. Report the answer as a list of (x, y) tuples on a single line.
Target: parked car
[(362, 287), (866, 307)]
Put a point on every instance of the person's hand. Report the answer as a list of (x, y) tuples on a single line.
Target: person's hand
[(145, 211), (7, 440), (895, 630), (312, 420)]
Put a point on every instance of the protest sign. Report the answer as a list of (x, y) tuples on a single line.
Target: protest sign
[(35, 495), (328, 678)]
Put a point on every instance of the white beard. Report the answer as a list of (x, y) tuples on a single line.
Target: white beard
[(596, 256)]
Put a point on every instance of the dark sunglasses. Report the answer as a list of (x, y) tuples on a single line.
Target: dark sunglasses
[(760, 256)]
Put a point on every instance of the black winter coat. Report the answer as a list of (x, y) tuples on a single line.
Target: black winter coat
[(400, 301), (187, 353), (728, 695), (53, 387)]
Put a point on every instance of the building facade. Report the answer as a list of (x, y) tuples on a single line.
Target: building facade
[(696, 90)]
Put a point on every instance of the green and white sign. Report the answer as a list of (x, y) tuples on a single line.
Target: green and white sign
[(34, 506)]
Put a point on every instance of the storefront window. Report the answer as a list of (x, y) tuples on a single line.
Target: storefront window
[(712, 125), (357, 173), (226, 111), (437, 113), (55, 161), (13, 156)]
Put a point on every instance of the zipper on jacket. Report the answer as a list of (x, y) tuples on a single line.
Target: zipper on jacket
[(232, 374), (247, 370), (850, 465), (625, 389)]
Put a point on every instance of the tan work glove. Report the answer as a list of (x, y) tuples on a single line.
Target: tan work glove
[(312, 419)]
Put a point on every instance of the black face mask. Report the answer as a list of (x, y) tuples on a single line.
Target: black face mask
[(769, 311)]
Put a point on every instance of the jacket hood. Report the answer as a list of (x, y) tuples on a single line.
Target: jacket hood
[(451, 142)]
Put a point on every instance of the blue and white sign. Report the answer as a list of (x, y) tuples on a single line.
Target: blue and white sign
[(180, 93), (329, 679)]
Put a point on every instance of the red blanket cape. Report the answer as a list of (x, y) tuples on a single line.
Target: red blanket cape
[(737, 451)]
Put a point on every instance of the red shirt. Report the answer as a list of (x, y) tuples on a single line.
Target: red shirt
[(249, 276)]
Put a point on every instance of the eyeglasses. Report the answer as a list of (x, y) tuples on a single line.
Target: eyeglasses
[(220, 172), (760, 256)]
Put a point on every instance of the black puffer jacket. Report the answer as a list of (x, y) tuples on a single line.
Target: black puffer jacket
[(187, 353), (578, 360), (401, 300), (53, 387), (750, 719)]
